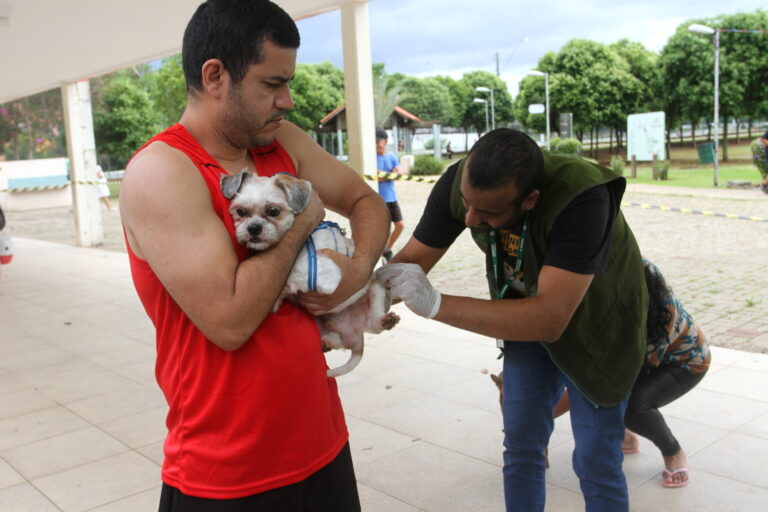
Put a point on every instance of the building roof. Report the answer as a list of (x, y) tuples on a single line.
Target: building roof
[(407, 116)]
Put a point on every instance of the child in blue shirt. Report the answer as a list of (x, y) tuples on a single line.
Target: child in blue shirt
[(387, 162)]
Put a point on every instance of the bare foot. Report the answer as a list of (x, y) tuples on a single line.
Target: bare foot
[(631, 444), (675, 470)]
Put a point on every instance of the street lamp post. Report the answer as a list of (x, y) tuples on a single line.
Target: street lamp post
[(715, 33), (481, 100), (546, 96), (493, 108)]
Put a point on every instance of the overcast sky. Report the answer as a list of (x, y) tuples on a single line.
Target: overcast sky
[(450, 37)]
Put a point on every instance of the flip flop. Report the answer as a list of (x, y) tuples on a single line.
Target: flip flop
[(668, 473), (629, 451)]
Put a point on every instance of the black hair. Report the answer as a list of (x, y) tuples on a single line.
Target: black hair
[(381, 134), (659, 314), (505, 155), (233, 31)]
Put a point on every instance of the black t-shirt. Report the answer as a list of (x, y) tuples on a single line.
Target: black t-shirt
[(579, 241)]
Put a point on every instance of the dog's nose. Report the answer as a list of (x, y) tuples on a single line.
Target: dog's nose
[(254, 229)]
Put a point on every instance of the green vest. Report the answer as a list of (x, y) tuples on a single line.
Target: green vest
[(602, 349)]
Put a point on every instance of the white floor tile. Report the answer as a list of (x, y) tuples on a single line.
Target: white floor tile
[(101, 482)]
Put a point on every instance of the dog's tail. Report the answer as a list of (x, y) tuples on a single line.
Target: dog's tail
[(354, 360)]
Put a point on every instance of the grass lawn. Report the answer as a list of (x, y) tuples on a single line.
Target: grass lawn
[(699, 177)]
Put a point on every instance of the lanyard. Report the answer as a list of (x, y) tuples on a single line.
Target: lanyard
[(498, 266)]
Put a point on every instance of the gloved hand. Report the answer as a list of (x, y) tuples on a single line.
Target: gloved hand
[(408, 282)]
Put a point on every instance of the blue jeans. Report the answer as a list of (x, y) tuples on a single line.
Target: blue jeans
[(532, 386)]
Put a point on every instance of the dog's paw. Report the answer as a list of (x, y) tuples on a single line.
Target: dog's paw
[(389, 320)]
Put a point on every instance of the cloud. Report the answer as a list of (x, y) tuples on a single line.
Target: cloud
[(450, 37)]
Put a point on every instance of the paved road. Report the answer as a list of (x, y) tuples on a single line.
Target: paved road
[(717, 266)]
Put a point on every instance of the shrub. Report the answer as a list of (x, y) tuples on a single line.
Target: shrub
[(426, 165), (661, 170), (430, 144), (567, 146), (617, 164), (758, 157)]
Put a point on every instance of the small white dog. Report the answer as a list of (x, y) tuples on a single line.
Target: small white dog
[(263, 209)]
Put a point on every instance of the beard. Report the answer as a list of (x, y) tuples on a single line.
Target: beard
[(242, 129)]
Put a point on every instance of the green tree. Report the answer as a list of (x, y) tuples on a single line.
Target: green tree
[(461, 100), (124, 118), (428, 98), (687, 63), (316, 89), (686, 74), (387, 94), (168, 91), (474, 115), (589, 79), (744, 56)]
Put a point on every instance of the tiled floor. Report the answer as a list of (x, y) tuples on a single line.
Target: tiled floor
[(81, 419)]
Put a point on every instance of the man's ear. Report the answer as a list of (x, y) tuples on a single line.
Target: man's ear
[(297, 191), (231, 183), (530, 201), (215, 78)]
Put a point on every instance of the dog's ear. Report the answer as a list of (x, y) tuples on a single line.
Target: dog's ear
[(296, 190), (231, 183)]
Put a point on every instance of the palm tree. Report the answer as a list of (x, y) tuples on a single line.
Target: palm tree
[(386, 96)]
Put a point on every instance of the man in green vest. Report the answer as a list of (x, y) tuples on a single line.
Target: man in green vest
[(567, 294)]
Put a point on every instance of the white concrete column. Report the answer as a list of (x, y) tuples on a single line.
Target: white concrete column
[(395, 136), (358, 83), (81, 149), (339, 137), (438, 149)]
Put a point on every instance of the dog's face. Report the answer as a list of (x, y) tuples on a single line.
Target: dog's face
[(263, 208)]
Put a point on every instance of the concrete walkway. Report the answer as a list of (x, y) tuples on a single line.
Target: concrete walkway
[(82, 420)]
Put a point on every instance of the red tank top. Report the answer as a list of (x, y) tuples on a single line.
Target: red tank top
[(250, 420)]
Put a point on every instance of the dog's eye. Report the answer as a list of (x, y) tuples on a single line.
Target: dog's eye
[(273, 211), (241, 212)]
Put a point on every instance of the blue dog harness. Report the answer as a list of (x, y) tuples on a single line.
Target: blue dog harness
[(312, 252)]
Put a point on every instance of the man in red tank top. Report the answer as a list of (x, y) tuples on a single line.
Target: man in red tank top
[(254, 423)]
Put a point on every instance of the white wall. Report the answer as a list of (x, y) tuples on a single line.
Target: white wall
[(18, 201)]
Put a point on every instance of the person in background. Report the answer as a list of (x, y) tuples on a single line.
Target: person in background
[(387, 162), (104, 192)]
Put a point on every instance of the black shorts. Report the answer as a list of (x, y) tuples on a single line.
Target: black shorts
[(332, 488), (394, 211)]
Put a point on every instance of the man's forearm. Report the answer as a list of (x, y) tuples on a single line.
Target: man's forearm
[(525, 319), (369, 221)]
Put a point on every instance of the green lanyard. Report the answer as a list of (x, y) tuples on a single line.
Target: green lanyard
[(498, 267)]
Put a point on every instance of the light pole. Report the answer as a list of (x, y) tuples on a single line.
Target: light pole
[(481, 100), (493, 108), (715, 33), (535, 72)]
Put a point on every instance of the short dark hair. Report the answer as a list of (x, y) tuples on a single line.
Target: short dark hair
[(381, 134), (233, 31), (504, 155)]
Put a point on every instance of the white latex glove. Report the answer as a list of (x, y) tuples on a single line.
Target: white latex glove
[(407, 281)]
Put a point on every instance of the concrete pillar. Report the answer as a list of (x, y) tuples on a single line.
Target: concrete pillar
[(81, 150), (436, 136), (339, 137), (396, 137), (358, 83)]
